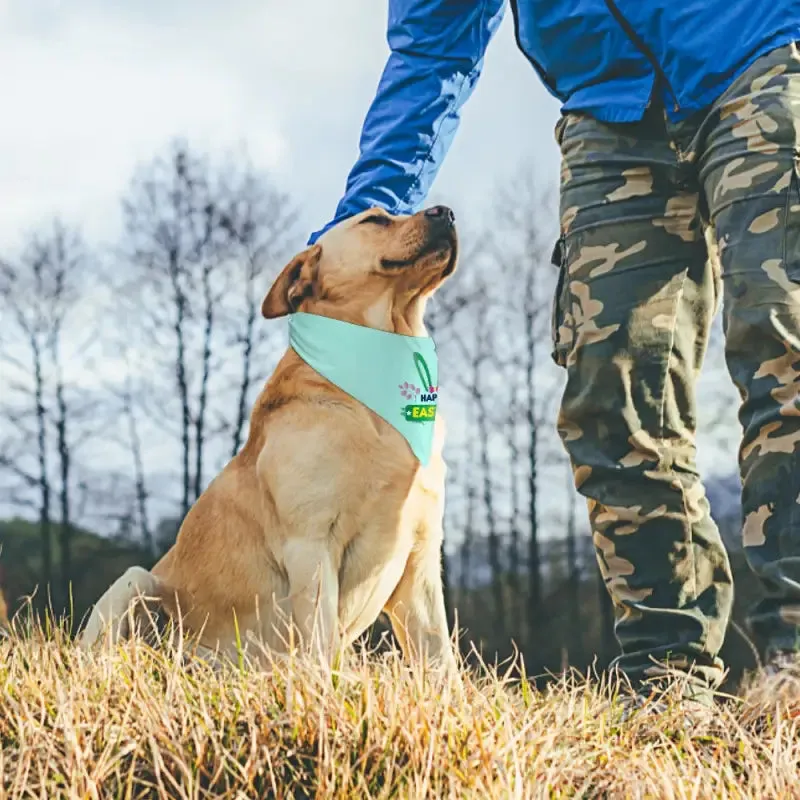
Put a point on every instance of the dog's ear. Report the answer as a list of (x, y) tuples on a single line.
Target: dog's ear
[(293, 285)]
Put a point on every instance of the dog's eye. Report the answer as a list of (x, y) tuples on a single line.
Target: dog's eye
[(376, 219)]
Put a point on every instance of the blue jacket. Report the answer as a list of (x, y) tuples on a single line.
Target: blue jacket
[(603, 57)]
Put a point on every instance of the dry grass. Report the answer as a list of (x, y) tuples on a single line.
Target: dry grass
[(132, 722)]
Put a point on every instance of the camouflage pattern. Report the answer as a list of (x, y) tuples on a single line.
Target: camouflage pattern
[(636, 297)]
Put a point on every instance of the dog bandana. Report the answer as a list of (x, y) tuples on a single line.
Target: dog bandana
[(395, 376)]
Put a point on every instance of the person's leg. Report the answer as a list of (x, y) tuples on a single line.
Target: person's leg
[(632, 320), (750, 168)]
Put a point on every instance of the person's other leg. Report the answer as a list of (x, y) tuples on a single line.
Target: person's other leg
[(750, 168), (632, 321)]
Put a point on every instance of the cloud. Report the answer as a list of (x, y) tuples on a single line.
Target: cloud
[(93, 87), (99, 85)]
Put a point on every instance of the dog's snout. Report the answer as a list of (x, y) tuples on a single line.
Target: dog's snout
[(441, 212)]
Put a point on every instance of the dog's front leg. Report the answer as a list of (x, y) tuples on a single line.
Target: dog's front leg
[(314, 597), (417, 610)]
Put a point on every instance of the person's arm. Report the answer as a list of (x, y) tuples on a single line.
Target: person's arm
[(437, 49)]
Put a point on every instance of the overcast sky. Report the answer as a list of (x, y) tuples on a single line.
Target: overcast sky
[(92, 86)]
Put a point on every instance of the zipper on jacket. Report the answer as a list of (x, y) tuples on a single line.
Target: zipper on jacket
[(643, 46)]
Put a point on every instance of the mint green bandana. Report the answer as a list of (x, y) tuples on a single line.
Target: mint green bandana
[(395, 376)]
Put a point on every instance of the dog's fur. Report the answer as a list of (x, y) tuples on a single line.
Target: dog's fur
[(325, 517)]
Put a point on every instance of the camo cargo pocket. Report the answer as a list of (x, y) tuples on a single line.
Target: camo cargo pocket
[(791, 228), (560, 304)]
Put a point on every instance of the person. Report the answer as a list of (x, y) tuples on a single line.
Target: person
[(677, 118)]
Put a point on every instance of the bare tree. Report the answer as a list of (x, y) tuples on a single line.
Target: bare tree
[(261, 224), (210, 302), (25, 288), (481, 362), (515, 500), (201, 239), (39, 292), (531, 316), (521, 244), (65, 252), (448, 310), (468, 541), (172, 243)]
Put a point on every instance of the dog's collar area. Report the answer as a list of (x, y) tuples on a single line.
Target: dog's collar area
[(301, 314), (394, 375)]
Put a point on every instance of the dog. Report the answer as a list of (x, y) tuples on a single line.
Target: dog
[(325, 518)]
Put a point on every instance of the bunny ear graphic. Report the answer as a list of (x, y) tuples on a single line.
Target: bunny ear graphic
[(422, 370)]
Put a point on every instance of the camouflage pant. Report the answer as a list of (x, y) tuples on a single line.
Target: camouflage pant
[(636, 298)]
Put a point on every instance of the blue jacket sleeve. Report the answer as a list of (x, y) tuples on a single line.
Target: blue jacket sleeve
[(437, 49)]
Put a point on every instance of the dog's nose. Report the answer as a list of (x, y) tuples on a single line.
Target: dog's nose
[(441, 212)]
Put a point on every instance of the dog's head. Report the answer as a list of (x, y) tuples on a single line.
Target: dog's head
[(373, 269)]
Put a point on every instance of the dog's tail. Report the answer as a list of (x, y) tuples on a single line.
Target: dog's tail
[(137, 602)]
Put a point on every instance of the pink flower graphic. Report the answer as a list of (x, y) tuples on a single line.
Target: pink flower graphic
[(409, 390)]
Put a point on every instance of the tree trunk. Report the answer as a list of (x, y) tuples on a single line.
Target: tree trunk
[(465, 587), (65, 531), (515, 517), (182, 379), (247, 356), (45, 532), (203, 399), (534, 558), (140, 480), (495, 560)]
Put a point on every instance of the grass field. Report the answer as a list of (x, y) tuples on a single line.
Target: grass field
[(134, 723)]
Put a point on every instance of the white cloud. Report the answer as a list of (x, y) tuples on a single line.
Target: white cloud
[(98, 86)]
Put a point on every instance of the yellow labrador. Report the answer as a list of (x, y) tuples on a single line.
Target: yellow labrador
[(325, 518)]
